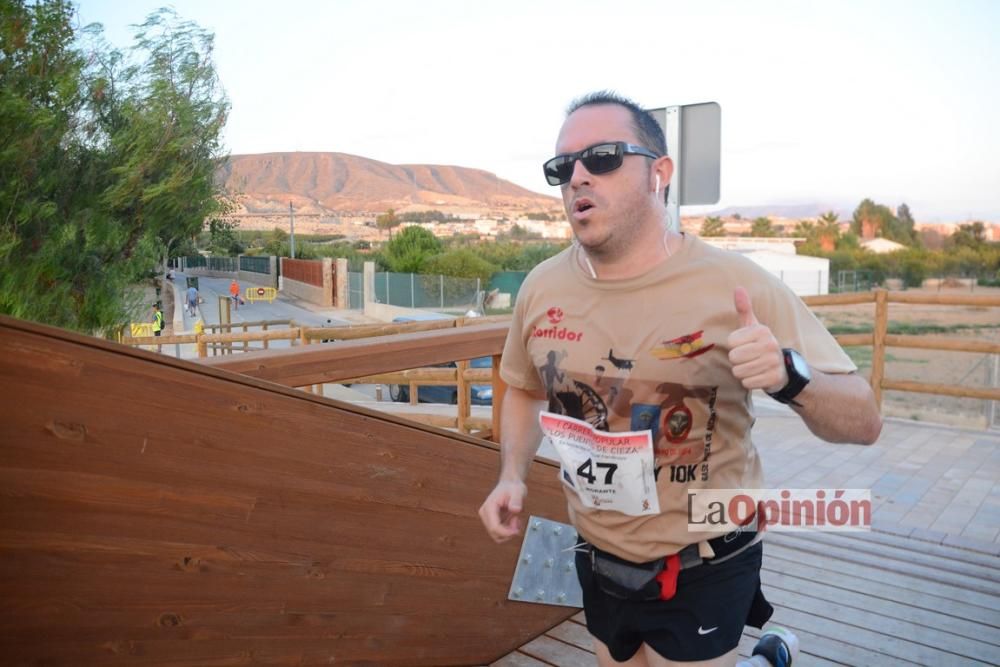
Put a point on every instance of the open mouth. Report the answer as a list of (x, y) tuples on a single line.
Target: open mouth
[(582, 205)]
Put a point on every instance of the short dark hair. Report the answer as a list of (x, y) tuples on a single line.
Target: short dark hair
[(647, 130)]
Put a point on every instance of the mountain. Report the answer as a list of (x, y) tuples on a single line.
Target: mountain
[(328, 183)]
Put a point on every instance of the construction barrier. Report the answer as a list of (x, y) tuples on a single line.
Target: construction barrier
[(141, 329), (260, 294)]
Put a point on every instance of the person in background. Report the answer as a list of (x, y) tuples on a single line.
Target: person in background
[(234, 292), (157, 320), (192, 300)]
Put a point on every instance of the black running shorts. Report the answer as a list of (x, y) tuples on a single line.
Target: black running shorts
[(703, 620)]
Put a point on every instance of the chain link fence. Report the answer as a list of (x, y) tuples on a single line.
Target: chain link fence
[(414, 290)]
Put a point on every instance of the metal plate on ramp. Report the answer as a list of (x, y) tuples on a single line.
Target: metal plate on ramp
[(546, 567)]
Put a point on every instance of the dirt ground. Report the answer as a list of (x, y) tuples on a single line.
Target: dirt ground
[(940, 367)]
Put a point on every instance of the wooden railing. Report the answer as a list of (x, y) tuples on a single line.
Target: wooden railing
[(357, 357), (366, 359), (880, 338)]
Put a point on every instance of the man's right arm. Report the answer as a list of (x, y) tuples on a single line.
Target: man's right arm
[(520, 439)]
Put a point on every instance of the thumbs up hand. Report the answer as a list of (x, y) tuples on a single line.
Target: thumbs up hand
[(754, 352)]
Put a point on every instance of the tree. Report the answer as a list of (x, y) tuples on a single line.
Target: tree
[(105, 162), (713, 226), (460, 263), (873, 220), (762, 227), (410, 250), (388, 220), (972, 235), (828, 230)]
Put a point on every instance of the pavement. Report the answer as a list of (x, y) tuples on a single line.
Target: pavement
[(214, 293)]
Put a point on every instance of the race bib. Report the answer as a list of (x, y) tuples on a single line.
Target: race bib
[(608, 471)]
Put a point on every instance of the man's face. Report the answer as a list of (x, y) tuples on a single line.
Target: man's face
[(605, 210)]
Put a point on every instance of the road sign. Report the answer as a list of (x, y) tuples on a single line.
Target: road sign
[(694, 140)]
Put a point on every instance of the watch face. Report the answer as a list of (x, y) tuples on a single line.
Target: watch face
[(799, 364)]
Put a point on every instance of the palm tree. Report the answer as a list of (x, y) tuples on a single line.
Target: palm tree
[(828, 230)]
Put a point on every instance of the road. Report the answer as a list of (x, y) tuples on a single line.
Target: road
[(214, 293)]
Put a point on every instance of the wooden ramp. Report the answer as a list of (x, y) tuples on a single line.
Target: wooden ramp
[(156, 511), (853, 599)]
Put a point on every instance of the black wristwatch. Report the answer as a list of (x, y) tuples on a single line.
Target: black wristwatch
[(798, 377)]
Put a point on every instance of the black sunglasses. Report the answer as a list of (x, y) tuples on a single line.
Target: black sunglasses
[(598, 159)]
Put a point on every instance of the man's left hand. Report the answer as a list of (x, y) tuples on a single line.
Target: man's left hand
[(754, 352)]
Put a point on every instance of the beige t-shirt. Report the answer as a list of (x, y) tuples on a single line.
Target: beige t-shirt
[(650, 352)]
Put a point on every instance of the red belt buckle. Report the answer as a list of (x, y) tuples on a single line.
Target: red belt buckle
[(668, 577)]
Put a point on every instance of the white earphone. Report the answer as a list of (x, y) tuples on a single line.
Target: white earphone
[(657, 185)]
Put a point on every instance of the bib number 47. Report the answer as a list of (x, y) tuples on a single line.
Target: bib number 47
[(586, 471)]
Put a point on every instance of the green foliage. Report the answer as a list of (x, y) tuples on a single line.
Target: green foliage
[(460, 263), (538, 216), (882, 223), (388, 220), (410, 249), (106, 163), (762, 226), (426, 216), (713, 226), (972, 235)]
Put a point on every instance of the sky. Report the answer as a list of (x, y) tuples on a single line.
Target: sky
[(822, 102)]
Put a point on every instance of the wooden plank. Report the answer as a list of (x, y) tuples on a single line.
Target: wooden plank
[(518, 659), (821, 649), (267, 522), (980, 300), (878, 351), (881, 554), (555, 652), (499, 392), (943, 343), (960, 391), (573, 633), (336, 362), (956, 629), (855, 340), (915, 569), (866, 572), (894, 637), (885, 587), (942, 550), (838, 299)]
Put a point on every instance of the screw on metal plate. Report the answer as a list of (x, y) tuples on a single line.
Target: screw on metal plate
[(542, 574)]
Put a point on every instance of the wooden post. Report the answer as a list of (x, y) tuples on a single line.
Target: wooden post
[(304, 340), (878, 347), (464, 399), (499, 391), (202, 346), (246, 343), (265, 337)]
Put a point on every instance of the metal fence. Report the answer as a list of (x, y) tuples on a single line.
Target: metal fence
[(355, 290), (415, 290), (227, 264), (255, 264), (509, 282), (195, 261)]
